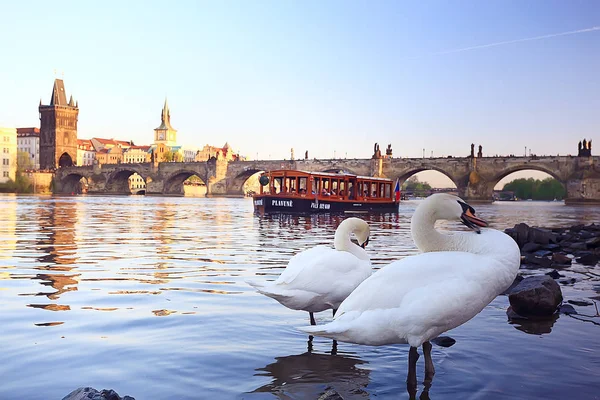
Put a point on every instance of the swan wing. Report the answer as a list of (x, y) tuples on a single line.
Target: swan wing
[(416, 299)]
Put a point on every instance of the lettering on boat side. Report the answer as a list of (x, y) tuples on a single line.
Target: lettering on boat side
[(282, 203), (320, 206), (258, 202)]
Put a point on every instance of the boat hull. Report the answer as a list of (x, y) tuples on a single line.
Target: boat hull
[(267, 204)]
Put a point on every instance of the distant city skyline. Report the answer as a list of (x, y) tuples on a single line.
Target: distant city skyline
[(332, 77)]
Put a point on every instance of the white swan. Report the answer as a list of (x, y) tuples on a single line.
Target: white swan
[(415, 299), (321, 278)]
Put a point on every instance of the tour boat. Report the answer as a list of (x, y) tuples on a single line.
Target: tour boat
[(309, 192)]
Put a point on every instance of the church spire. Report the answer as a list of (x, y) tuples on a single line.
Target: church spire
[(165, 117)]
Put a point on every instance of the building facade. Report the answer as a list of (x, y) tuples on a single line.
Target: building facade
[(28, 148), (137, 154), (85, 152), (58, 129), (8, 143)]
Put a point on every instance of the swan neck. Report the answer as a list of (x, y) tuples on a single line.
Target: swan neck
[(427, 238), (342, 242)]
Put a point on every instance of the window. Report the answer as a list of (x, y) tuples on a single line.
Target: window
[(5, 161), (5, 174)]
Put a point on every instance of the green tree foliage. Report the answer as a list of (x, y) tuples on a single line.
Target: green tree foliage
[(24, 161), (172, 156), (419, 188), (535, 189)]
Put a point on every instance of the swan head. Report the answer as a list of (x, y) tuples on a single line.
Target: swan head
[(450, 207), (357, 226)]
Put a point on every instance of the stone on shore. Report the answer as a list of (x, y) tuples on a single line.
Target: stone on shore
[(89, 393), (535, 296)]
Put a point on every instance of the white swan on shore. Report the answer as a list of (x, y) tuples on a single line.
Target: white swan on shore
[(321, 278), (414, 300)]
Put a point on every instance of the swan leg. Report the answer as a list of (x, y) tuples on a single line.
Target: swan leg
[(429, 368), (411, 379), (334, 348), (312, 319), (310, 344), (334, 311)]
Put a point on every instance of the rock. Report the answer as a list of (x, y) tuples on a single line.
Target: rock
[(593, 243), (330, 394), (518, 279), (521, 234), (561, 259), (554, 274), (568, 281), (541, 261), (551, 246), (577, 228), (580, 302), (542, 253), (585, 235), (577, 246), (530, 247), (589, 259), (541, 236), (535, 296), (567, 309), (443, 341), (89, 393), (532, 325)]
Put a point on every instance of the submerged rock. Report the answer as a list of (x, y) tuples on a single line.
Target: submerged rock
[(561, 259), (535, 296), (580, 302), (588, 259), (330, 395), (554, 274), (89, 393), (443, 341)]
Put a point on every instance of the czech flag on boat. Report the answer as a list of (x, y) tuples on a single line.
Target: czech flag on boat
[(397, 189)]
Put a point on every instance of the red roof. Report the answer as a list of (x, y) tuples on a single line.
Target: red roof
[(28, 131)]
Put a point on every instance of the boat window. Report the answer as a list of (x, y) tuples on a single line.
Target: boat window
[(326, 187), (342, 191), (373, 189), (316, 186), (302, 185), (334, 187), (388, 190)]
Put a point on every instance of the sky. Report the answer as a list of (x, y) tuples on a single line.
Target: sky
[(331, 77)]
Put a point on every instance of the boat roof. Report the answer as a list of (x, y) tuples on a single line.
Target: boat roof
[(325, 174)]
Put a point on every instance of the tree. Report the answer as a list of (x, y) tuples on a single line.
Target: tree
[(24, 161), (413, 184), (535, 189), (172, 156)]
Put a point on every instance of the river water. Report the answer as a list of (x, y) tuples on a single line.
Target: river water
[(146, 295)]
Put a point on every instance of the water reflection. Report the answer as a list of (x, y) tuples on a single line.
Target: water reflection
[(538, 326), (309, 375)]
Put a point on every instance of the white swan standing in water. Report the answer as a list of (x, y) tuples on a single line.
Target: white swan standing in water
[(415, 299), (321, 277)]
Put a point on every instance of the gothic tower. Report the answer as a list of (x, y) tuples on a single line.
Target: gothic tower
[(58, 129), (165, 132)]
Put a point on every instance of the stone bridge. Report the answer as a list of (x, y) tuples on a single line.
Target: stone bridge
[(474, 178)]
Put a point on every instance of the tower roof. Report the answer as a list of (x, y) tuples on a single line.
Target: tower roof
[(165, 118), (59, 97)]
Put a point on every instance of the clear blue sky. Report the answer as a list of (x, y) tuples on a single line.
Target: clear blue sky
[(322, 76)]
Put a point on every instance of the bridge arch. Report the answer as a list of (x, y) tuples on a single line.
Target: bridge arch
[(526, 167), (73, 183), (236, 185), (118, 181), (174, 183), (404, 175)]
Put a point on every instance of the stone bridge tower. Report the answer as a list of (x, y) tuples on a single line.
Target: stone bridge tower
[(58, 129)]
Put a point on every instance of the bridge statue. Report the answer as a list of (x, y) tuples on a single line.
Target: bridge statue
[(480, 152), (306, 155), (376, 151), (472, 150), (388, 151)]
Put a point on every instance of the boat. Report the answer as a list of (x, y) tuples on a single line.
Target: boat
[(295, 191)]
